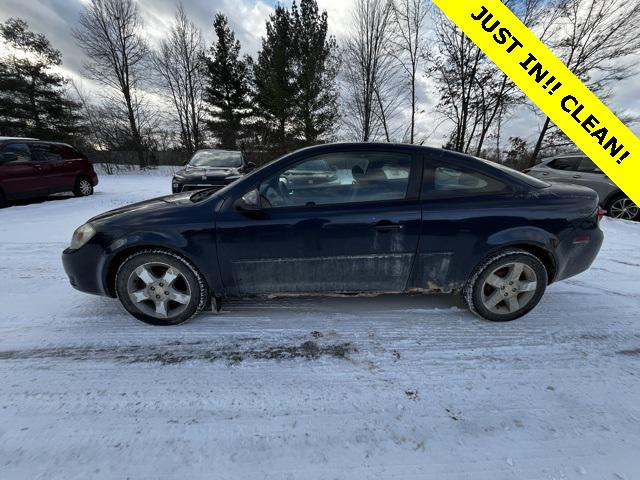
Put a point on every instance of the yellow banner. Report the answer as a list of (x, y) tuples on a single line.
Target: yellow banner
[(552, 87)]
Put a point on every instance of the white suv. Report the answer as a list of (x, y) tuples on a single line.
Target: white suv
[(580, 170)]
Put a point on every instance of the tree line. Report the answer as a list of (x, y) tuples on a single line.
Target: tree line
[(302, 87)]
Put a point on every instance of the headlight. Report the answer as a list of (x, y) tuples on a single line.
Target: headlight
[(82, 235)]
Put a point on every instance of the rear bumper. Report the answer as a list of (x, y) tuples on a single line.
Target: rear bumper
[(575, 258)]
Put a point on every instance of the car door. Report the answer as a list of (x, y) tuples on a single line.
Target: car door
[(563, 169), (590, 175), (351, 228), (50, 165), (462, 205), (21, 176)]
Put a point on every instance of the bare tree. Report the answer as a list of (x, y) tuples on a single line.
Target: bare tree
[(410, 17), (109, 33), (455, 62), (368, 69), (475, 94), (179, 62), (592, 38)]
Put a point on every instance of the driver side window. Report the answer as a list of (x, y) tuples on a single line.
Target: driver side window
[(16, 152), (337, 178)]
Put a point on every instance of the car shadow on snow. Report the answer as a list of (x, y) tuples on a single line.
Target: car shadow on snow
[(347, 304), (279, 329), (175, 352), (39, 200)]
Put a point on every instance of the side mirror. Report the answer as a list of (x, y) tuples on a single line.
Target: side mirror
[(249, 202)]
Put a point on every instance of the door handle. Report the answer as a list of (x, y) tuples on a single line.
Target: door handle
[(577, 176), (386, 226)]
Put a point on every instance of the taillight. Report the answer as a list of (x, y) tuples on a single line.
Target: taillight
[(600, 212), (526, 170)]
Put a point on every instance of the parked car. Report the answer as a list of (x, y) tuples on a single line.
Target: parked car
[(33, 168), (580, 170), (450, 222), (310, 174), (210, 168)]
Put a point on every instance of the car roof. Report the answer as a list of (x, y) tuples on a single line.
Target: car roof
[(379, 145), (221, 150), (565, 155), (36, 140), (4, 139)]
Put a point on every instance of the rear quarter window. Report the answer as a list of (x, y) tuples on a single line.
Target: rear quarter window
[(569, 163), (448, 180), (68, 152)]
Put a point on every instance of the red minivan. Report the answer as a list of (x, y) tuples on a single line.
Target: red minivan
[(34, 168)]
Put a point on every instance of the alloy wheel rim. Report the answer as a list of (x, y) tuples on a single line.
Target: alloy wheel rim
[(624, 208), (159, 290), (509, 288), (85, 187)]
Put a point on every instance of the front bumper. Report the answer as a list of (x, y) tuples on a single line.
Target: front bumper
[(84, 267), (178, 186)]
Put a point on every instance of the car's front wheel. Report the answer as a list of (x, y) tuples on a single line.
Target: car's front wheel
[(506, 286), (160, 287)]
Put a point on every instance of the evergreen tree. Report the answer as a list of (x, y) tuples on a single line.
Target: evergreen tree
[(274, 81), (316, 68), (33, 99), (295, 78), (227, 86)]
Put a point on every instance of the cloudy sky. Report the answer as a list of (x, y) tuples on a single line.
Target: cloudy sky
[(56, 18)]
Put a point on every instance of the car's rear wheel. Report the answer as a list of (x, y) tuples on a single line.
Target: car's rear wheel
[(160, 287), (3, 200), (83, 187), (506, 286), (623, 207)]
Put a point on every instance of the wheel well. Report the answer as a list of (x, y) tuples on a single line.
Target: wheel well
[(611, 198), (116, 261), (82, 175), (543, 255)]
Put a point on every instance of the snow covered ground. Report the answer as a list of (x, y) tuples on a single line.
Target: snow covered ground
[(360, 388)]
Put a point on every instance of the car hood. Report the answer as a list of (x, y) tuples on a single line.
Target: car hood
[(161, 207), (203, 173)]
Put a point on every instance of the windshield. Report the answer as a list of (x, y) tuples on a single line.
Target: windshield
[(313, 166), (216, 158)]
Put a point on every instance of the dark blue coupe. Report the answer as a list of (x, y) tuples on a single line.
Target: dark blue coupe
[(343, 218)]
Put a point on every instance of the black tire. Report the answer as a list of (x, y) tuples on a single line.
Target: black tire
[(83, 187), (193, 283), (478, 288), (614, 212), (3, 200)]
